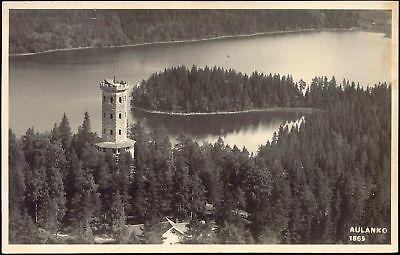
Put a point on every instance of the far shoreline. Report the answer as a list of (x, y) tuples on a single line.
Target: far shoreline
[(194, 40), (271, 109)]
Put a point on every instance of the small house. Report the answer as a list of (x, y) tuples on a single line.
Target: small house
[(172, 232), (175, 233)]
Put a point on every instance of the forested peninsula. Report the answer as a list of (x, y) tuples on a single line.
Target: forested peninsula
[(33, 31), (179, 90), (310, 184)]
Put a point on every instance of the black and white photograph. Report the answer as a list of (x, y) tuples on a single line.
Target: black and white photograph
[(199, 126)]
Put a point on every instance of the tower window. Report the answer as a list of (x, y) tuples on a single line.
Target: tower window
[(119, 132), (111, 116), (104, 115), (120, 115), (111, 100), (104, 98), (120, 99), (111, 132), (104, 131)]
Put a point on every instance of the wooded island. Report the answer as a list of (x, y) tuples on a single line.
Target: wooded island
[(208, 90)]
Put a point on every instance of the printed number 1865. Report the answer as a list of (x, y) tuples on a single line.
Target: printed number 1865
[(357, 238)]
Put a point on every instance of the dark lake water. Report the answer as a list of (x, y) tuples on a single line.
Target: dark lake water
[(43, 86)]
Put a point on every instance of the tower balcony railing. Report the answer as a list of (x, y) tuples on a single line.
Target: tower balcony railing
[(113, 84)]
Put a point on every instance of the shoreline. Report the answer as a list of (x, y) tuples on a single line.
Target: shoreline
[(190, 40), (272, 109)]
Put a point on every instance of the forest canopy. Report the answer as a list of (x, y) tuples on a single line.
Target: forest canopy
[(41, 30), (179, 89), (310, 184)]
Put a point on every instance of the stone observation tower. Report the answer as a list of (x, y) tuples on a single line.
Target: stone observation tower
[(114, 117)]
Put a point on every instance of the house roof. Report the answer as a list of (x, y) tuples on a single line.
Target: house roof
[(180, 227), (165, 227)]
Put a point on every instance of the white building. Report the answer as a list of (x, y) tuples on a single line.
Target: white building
[(175, 233), (115, 117)]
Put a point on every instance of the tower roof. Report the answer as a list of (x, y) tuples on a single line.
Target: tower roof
[(114, 85)]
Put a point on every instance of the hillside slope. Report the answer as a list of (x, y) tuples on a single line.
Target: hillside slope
[(42, 30)]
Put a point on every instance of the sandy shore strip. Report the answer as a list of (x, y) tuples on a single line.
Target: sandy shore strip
[(188, 41), (272, 109)]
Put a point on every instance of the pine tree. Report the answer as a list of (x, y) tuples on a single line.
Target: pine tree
[(36, 190), (45, 190), (233, 233), (56, 172), (22, 229), (55, 134), (57, 202), (181, 189), (118, 218), (28, 142), (103, 177), (139, 200), (258, 201), (65, 132), (162, 167), (122, 173), (86, 126), (89, 157), (200, 233), (84, 203), (197, 200), (84, 138), (151, 234), (17, 169)]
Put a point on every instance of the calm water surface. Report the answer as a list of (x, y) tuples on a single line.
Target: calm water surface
[(44, 86)]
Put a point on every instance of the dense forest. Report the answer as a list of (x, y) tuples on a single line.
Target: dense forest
[(179, 89), (41, 30), (308, 185)]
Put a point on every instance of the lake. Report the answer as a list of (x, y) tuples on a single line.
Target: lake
[(44, 86)]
